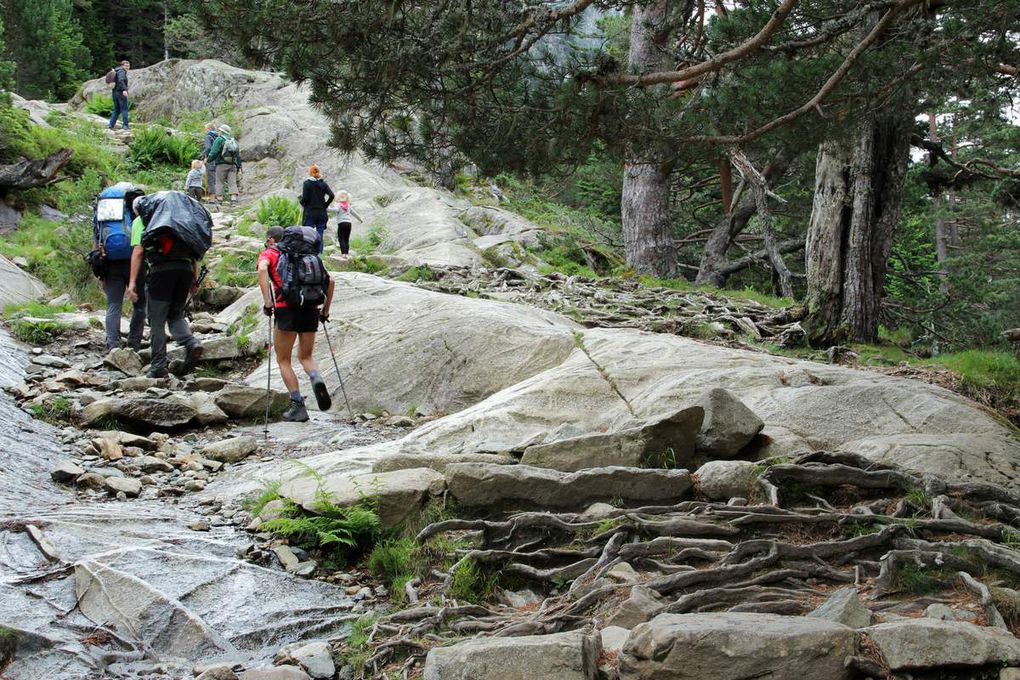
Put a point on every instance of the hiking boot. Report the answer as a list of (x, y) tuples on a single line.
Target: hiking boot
[(192, 355), (296, 413), (322, 397), (157, 373)]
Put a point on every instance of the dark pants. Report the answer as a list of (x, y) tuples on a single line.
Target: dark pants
[(343, 234), (120, 107), (114, 285), (320, 226), (195, 193), (168, 294)]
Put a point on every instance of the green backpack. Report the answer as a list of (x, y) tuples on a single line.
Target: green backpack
[(231, 151)]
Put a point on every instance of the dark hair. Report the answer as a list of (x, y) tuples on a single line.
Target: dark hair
[(275, 233)]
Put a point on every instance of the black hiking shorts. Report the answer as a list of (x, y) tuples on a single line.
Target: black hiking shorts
[(297, 319)]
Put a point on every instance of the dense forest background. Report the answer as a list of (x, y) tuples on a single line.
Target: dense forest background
[(677, 179)]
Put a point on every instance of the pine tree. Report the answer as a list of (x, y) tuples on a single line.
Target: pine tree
[(6, 66), (45, 42)]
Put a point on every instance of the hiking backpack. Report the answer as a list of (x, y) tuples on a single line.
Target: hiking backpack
[(177, 227), (302, 276), (231, 150), (111, 220), (111, 76)]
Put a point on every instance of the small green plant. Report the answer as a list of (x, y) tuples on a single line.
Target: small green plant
[(8, 646), (920, 499), (243, 327), (237, 268), (256, 503), (917, 580), (354, 651), (1011, 538), (412, 410), (367, 265), (100, 105), (470, 583), (38, 332), (377, 411), (278, 211), (419, 273), (154, 146), (55, 411), (665, 460), (393, 559)]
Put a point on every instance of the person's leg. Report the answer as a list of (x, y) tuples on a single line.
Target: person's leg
[(137, 327), (306, 345), (232, 180), (321, 228), (210, 181), (124, 111), (116, 111), (180, 329), (221, 179), (344, 233), (284, 343), (160, 294), (114, 286)]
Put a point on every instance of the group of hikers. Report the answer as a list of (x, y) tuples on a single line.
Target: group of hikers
[(148, 248)]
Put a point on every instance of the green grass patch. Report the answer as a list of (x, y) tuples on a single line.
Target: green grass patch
[(39, 310), (278, 211), (354, 649), (367, 264), (331, 529), (747, 293), (419, 273), (983, 369), (37, 332), (155, 145), (237, 269), (257, 502), (243, 327), (55, 411), (469, 582), (662, 460)]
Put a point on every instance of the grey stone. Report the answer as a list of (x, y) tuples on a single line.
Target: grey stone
[(734, 646), (154, 413), (129, 439), (720, 480), (287, 558), (844, 606), (278, 673), (561, 656), (127, 485), (396, 495), (314, 657), (930, 643), (623, 573), (136, 384), (230, 450), (477, 484), (50, 361), (66, 472), (124, 360), (598, 511), (208, 413), (150, 464), (90, 480), (243, 401), (729, 425), (436, 461), (213, 349), (946, 613), (670, 438), (614, 638), (643, 604), (220, 672)]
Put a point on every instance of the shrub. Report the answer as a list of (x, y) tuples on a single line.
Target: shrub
[(392, 560), (100, 105), (470, 583), (278, 211), (154, 145)]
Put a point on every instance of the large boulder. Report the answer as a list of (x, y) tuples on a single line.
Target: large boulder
[(669, 440), (17, 286), (230, 450), (728, 427), (736, 646), (395, 495), (157, 414), (484, 484), (244, 401), (561, 656), (930, 643)]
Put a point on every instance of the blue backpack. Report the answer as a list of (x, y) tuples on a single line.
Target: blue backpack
[(111, 221)]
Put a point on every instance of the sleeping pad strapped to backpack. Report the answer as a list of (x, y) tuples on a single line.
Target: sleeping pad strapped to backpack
[(303, 278), (177, 227), (111, 220)]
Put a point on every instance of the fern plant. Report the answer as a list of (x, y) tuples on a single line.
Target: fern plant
[(279, 211), (154, 146), (100, 105)]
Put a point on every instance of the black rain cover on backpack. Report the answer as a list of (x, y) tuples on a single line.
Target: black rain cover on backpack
[(172, 213), (303, 278)]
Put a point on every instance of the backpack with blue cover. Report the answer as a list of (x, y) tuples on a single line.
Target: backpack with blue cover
[(111, 220), (302, 275)]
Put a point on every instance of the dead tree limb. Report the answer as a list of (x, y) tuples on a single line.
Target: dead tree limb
[(29, 174)]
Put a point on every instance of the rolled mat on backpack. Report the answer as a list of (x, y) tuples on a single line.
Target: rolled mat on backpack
[(177, 215)]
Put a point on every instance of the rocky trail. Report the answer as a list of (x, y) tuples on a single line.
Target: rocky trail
[(566, 484)]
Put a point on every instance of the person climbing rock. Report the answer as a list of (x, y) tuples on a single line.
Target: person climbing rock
[(315, 199), (299, 292), (193, 183), (207, 143), (119, 79), (225, 156), (343, 217), (173, 233)]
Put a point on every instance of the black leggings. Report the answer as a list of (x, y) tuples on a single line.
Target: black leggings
[(343, 234)]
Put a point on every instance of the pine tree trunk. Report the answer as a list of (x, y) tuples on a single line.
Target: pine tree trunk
[(644, 208), (858, 194)]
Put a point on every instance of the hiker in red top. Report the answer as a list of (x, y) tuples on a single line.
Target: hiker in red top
[(299, 293)]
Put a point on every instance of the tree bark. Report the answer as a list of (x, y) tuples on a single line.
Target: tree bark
[(28, 174), (760, 191), (644, 207), (858, 194)]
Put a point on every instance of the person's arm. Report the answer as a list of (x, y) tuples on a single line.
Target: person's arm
[(329, 195), (324, 310), (214, 152), (304, 193), (353, 212), (136, 266), (268, 303)]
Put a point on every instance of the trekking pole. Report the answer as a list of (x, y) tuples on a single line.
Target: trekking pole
[(269, 366), (329, 342)]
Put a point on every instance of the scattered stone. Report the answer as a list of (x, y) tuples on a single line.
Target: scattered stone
[(724, 479), (946, 613), (149, 464), (123, 485), (643, 605), (243, 401), (194, 485), (305, 569), (230, 450), (207, 384), (314, 657), (154, 413), (218, 672), (401, 421), (199, 525), (287, 558), (66, 472), (727, 646), (478, 484), (844, 606), (50, 361), (434, 461), (930, 643), (613, 638), (729, 425), (673, 436), (208, 412), (137, 384), (124, 360), (561, 656), (279, 673), (109, 449), (90, 480), (129, 439), (520, 598), (623, 573), (597, 511), (214, 349)]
